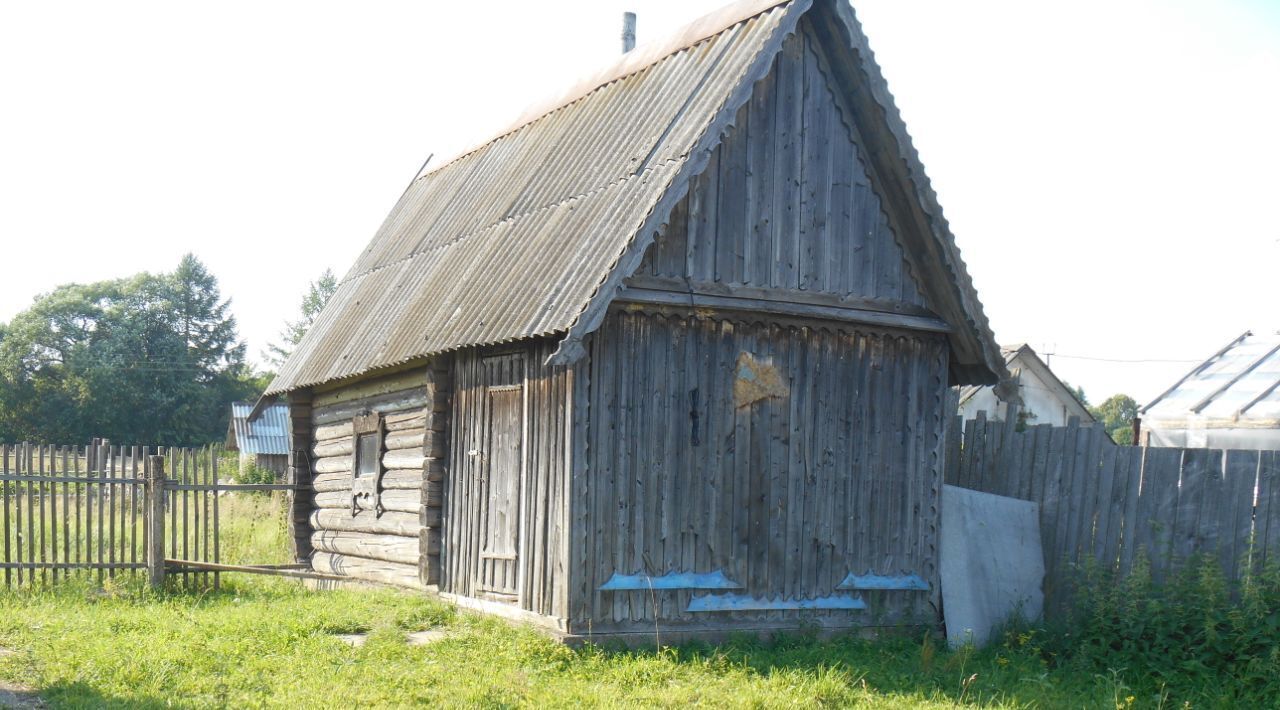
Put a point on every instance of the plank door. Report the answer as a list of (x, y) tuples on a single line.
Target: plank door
[(501, 477)]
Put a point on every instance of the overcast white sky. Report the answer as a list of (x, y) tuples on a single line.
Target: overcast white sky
[(1109, 167)]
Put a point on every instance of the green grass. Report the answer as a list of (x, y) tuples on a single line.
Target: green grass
[(263, 642), (273, 645)]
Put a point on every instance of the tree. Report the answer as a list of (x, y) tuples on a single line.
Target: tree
[(1078, 392), (148, 359), (1117, 415), (318, 294)]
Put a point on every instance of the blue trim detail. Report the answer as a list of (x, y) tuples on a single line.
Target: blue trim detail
[(670, 580), (742, 602), (906, 582)]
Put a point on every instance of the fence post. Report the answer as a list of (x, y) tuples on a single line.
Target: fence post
[(155, 521)]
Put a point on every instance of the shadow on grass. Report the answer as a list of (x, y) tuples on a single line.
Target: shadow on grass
[(897, 664), (82, 695)]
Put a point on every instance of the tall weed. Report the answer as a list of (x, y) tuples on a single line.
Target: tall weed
[(1194, 636)]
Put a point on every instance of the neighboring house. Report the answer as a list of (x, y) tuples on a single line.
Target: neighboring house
[(673, 351), (264, 441), (1044, 397), (1230, 401)]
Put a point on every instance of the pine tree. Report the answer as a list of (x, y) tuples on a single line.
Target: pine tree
[(313, 302)]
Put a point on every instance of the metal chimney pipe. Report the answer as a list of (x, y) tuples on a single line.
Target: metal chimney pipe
[(628, 31)]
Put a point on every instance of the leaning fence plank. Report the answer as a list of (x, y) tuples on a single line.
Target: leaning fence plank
[(1239, 484), (53, 512), (112, 454), (17, 510), (31, 513), (75, 518), (1103, 506), (133, 505), (1267, 545), (217, 576), (4, 498), (1199, 494), (174, 472), (67, 454), (955, 431), (154, 520), (104, 451), (205, 457), (1088, 472), (1164, 467), (1127, 484)]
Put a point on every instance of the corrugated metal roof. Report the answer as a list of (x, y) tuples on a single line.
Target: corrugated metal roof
[(511, 240), (268, 434), (1241, 384)]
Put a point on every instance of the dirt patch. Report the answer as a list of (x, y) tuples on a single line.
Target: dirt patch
[(423, 638)]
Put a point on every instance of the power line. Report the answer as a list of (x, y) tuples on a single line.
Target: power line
[(1119, 360)]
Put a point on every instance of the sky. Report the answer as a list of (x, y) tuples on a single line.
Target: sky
[(1109, 167)]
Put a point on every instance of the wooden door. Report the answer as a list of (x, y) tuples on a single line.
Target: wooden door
[(501, 474)]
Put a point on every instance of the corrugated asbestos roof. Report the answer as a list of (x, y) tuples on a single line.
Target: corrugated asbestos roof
[(522, 235), (268, 434), (511, 240), (1240, 384)]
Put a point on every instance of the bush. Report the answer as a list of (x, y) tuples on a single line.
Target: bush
[(1197, 636), (238, 470)]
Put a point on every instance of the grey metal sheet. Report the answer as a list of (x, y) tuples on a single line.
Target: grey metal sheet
[(268, 434), (511, 240)]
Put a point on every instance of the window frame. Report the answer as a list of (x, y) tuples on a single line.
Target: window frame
[(366, 489)]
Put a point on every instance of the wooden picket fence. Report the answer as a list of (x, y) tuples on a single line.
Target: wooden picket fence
[(84, 512), (1110, 504)]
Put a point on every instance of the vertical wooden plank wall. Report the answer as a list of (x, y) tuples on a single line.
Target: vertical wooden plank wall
[(786, 202), (1111, 505), (785, 495), (543, 549)]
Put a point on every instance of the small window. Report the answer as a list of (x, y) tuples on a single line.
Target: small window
[(367, 455)]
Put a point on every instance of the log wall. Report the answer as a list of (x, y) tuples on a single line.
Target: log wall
[(394, 547), (300, 473), (784, 457)]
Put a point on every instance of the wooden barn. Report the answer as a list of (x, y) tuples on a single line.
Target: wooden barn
[(673, 351)]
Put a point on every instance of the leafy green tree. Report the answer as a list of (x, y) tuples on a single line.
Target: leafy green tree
[(1078, 392), (318, 294), (148, 359), (1117, 415)]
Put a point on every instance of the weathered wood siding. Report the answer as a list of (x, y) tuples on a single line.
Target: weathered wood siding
[(538, 507), (785, 202), (396, 546), (835, 471)]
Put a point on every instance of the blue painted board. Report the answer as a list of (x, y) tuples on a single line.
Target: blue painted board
[(906, 582), (742, 602), (670, 580)]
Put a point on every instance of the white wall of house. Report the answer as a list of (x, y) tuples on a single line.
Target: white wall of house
[(1044, 399)]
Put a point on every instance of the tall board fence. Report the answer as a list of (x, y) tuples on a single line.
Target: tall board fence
[(101, 511), (1111, 504)]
